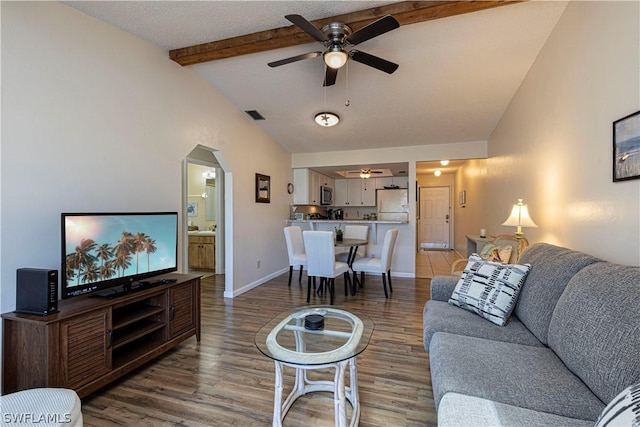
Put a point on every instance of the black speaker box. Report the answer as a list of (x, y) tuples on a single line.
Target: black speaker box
[(36, 291)]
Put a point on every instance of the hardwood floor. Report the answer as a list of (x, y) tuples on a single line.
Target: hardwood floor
[(225, 381)]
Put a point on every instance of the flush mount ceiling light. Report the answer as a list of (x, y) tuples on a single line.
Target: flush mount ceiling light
[(327, 119), (335, 57), (437, 173), (444, 162)]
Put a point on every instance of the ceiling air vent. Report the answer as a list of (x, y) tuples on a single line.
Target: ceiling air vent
[(254, 114)]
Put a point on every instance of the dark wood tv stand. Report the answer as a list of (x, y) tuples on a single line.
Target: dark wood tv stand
[(93, 341)]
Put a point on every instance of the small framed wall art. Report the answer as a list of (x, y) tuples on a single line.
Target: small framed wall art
[(192, 209), (263, 188), (626, 148)]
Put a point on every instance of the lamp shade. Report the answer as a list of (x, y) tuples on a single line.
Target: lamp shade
[(519, 217)]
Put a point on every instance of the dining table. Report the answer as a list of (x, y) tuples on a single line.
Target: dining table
[(353, 245)]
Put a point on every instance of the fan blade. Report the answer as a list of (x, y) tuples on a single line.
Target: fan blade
[(373, 61), (381, 26), (330, 76), (294, 59), (307, 27)]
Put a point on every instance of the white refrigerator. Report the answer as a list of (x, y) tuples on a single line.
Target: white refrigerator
[(392, 205)]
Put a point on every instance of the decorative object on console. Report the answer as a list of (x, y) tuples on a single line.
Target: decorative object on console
[(339, 234), (519, 218), (626, 147), (489, 289), (263, 188)]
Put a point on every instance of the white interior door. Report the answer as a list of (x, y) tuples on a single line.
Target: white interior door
[(434, 218)]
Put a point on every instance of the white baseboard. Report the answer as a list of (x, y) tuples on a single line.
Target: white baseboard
[(254, 284), (265, 279)]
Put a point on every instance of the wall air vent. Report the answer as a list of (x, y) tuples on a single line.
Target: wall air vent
[(254, 114)]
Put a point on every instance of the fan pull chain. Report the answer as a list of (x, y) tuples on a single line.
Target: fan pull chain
[(347, 102)]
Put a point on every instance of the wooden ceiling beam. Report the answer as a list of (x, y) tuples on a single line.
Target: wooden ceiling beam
[(407, 12)]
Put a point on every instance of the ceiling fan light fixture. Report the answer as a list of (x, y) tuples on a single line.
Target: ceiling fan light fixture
[(327, 119), (365, 174), (335, 57)]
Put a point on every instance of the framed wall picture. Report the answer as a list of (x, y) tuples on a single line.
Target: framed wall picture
[(263, 188), (626, 148), (192, 209)]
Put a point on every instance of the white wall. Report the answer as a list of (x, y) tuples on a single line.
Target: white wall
[(95, 119), (553, 145)]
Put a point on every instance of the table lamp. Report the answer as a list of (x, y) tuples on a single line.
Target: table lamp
[(519, 218)]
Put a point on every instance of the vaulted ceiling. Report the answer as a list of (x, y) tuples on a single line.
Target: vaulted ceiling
[(460, 63)]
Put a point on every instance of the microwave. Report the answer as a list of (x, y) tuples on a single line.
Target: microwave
[(326, 195)]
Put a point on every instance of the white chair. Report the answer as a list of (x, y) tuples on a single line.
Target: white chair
[(380, 265), (360, 232), (295, 248), (321, 261)]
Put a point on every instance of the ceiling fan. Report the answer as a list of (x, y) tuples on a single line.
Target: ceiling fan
[(338, 40), (364, 173)]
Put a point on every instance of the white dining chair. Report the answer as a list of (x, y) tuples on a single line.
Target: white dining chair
[(295, 248), (321, 261), (360, 232), (380, 265)]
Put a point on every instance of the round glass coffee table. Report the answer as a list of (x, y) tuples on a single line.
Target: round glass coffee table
[(310, 338)]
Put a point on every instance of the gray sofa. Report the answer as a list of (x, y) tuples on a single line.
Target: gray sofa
[(571, 345)]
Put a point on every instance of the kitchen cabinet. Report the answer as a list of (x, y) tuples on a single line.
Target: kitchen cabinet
[(400, 181), (355, 192), (202, 252), (91, 342), (306, 186), (341, 194), (368, 192)]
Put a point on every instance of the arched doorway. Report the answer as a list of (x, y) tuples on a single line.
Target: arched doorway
[(221, 216)]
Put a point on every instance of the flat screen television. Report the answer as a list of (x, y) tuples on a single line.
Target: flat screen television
[(116, 251)]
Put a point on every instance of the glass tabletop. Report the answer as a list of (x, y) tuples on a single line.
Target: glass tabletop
[(315, 335)]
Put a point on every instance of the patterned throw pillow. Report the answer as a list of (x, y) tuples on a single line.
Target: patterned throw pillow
[(489, 289), (623, 410)]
